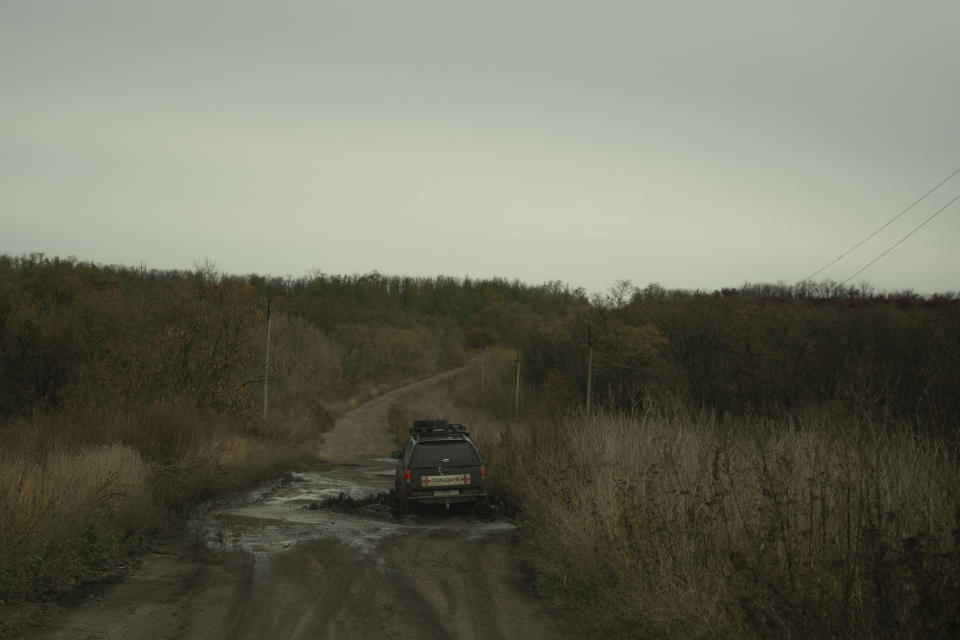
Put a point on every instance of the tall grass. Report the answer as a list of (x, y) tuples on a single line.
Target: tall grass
[(79, 495), (59, 514), (680, 525)]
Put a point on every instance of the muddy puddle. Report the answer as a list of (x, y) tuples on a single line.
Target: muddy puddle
[(350, 504)]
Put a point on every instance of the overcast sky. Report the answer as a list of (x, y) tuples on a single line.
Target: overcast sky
[(698, 145)]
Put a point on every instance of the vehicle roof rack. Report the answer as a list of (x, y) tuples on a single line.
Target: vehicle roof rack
[(436, 426)]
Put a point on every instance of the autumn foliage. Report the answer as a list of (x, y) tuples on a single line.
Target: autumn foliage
[(760, 350), (751, 455), (128, 395)]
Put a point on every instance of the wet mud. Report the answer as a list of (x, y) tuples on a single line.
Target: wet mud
[(354, 505)]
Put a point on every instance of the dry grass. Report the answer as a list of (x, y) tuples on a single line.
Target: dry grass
[(679, 525), (56, 508), (43, 495), (83, 490), (73, 509)]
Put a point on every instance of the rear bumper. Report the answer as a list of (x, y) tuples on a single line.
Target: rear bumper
[(466, 495)]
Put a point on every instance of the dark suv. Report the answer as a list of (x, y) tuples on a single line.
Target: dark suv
[(439, 464)]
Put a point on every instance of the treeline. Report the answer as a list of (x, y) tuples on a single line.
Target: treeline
[(759, 350), (490, 311), (76, 333), (79, 336)]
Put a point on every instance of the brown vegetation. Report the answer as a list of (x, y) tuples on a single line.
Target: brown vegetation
[(769, 461), (678, 524), (126, 397)]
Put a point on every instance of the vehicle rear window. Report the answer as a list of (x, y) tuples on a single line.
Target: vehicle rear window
[(435, 454)]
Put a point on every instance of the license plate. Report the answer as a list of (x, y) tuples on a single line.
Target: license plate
[(447, 492), (429, 482)]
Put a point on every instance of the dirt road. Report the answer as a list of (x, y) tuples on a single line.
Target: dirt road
[(321, 555)]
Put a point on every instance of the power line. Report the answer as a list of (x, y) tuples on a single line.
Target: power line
[(897, 243), (848, 251)]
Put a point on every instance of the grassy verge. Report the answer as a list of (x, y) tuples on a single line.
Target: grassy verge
[(82, 495), (679, 525)]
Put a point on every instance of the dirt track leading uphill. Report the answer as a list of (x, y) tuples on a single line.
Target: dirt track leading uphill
[(321, 555)]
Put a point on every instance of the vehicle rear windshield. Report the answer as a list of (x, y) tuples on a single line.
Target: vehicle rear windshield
[(435, 454)]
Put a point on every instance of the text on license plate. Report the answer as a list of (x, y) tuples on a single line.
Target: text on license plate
[(447, 492), (445, 481)]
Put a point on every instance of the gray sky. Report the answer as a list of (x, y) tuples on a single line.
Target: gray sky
[(698, 145)]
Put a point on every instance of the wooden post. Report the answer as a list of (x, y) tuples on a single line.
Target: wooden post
[(589, 368), (516, 403), (483, 366), (266, 366)]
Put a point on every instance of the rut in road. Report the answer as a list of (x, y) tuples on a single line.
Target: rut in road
[(280, 563)]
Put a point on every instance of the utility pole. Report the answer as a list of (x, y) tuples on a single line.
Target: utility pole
[(483, 366), (266, 364), (589, 367), (516, 403)]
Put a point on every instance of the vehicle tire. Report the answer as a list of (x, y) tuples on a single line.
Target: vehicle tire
[(401, 499), (484, 509)]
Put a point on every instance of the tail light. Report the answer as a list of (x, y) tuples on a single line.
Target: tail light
[(483, 475), (406, 475)]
